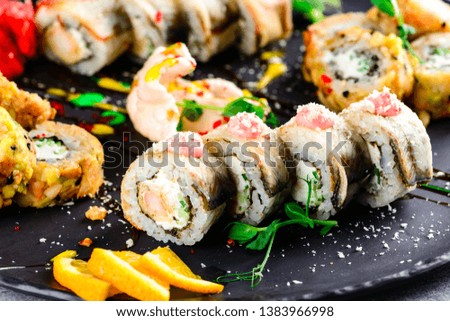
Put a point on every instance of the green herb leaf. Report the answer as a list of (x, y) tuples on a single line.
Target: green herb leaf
[(377, 173), (244, 104), (272, 120), (242, 232), (263, 238), (294, 211), (313, 10), (441, 51), (386, 6)]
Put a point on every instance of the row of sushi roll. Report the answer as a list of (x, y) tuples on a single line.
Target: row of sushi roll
[(87, 35), (350, 54), (47, 163), (375, 151)]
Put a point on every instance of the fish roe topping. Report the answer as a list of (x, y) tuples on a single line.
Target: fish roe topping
[(315, 116), (384, 103), (246, 125), (187, 144)]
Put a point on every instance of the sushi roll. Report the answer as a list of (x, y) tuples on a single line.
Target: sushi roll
[(397, 143), (318, 34), (262, 22), (69, 165), (153, 23), (159, 96), (17, 159), (329, 160), (431, 90), (172, 193), (84, 36), (212, 26), (25, 108), (424, 16), (256, 165), (357, 61)]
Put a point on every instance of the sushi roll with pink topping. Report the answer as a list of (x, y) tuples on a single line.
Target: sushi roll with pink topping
[(328, 159), (398, 145), (173, 193), (253, 156)]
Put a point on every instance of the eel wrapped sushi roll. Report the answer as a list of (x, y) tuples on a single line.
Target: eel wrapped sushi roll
[(153, 22), (84, 36), (432, 87), (25, 108), (69, 165), (17, 159), (172, 193), (212, 26), (262, 22), (357, 61), (254, 157), (398, 145), (329, 160)]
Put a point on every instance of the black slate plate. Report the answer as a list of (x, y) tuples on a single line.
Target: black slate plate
[(379, 247)]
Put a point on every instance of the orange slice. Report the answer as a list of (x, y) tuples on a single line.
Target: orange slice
[(165, 265), (74, 275), (109, 267), (133, 259)]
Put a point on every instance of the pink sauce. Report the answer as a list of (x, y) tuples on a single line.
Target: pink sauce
[(186, 144), (386, 104), (314, 116), (246, 125)]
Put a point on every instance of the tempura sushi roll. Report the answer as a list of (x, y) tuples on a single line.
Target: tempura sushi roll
[(17, 158), (318, 34), (26, 108), (262, 22), (357, 61), (153, 24), (212, 26), (172, 194), (253, 155), (329, 160), (398, 145), (84, 35), (69, 165), (424, 16), (432, 87)]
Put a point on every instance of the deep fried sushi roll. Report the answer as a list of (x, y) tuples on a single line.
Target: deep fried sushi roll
[(84, 35), (424, 16), (432, 87), (262, 22), (212, 26), (318, 34), (357, 61), (329, 160), (17, 158), (398, 145), (26, 108), (172, 193), (253, 155), (69, 165), (153, 24)]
